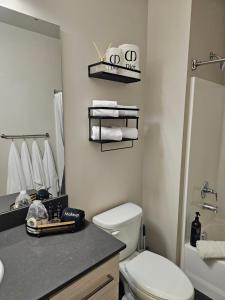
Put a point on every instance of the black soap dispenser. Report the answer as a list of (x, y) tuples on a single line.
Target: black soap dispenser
[(195, 230)]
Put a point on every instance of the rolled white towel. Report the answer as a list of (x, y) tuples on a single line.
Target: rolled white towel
[(129, 133), (105, 112), (107, 133), (211, 249), (128, 113)]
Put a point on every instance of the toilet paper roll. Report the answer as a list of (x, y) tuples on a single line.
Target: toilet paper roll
[(113, 56), (130, 59)]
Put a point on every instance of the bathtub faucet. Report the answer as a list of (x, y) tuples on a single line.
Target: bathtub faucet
[(208, 206), (207, 190)]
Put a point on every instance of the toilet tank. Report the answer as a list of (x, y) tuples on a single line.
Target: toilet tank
[(124, 223)]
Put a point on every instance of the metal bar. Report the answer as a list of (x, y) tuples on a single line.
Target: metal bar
[(25, 136), (89, 124), (196, 63), (57, 91), (100, 129), (119, 148), (113, 108)]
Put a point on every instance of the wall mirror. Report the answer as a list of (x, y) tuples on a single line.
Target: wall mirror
[(31, 114)]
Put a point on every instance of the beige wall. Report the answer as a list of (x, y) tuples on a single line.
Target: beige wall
[(95, 181), (205, 147), (207, 34), (30, 71), (168, 39)]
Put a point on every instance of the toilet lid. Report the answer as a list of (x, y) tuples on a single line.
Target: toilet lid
[(159, 277)]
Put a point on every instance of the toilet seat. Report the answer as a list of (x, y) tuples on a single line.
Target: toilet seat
[(158, 278)]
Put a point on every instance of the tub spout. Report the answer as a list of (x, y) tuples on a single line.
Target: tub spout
[(211, 207)]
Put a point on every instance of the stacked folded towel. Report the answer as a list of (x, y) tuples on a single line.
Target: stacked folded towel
[(211, 249), (113, 133), (113, 112), (128, 113), (105, 112)]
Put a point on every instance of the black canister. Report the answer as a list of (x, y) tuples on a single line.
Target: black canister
[(195, 230)]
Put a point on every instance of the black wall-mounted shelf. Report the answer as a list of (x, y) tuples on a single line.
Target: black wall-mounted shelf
[(102, 118), (99, 70)]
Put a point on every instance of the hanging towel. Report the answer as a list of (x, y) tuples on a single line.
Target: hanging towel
[(107, 133), (52, 180), (27, 166), (129, 133), (15, 181), (211, 249), (38, 170), (105, 112), (59, 131), (129, 113)]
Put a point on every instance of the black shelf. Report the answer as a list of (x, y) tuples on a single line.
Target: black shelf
[(102, 118), (113, 118), (99, 70)]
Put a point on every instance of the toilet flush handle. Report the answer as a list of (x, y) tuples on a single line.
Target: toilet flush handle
[(115, 233)]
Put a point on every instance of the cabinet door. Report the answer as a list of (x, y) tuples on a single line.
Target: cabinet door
[(100, 284)]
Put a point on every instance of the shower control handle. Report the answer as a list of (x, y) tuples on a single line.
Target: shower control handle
[(207, 190)]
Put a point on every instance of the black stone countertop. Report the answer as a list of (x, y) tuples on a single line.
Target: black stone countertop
[(37, 267)]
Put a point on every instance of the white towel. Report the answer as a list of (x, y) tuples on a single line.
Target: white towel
[(128, 113), (52, 180), (107, 133), (15, 180), (211, 249), (105, 112), (38, 170), (129, 133), (59, 134), (27, 166)]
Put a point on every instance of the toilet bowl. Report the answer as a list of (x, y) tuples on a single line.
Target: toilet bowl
[(148, 276)]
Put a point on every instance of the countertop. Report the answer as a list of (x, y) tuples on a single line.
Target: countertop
[(36, 267)]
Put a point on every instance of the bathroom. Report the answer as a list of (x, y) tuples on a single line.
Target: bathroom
[(153, 174)]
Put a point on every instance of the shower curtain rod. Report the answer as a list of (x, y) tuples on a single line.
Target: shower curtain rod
[(57, 91), (214, 59), (25, 136)]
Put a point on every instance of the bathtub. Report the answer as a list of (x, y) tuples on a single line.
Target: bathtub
[(207, 276)]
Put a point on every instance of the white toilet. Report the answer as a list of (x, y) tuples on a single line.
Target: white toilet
[(149, 276)]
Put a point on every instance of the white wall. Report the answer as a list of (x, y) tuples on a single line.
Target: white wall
[(30, 71), (95, 181), (167, 57)]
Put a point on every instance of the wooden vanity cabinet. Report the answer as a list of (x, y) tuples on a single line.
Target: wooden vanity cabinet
[(102, 283)]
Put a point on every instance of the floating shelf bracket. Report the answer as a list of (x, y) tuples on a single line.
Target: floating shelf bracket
[(107, 71)]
